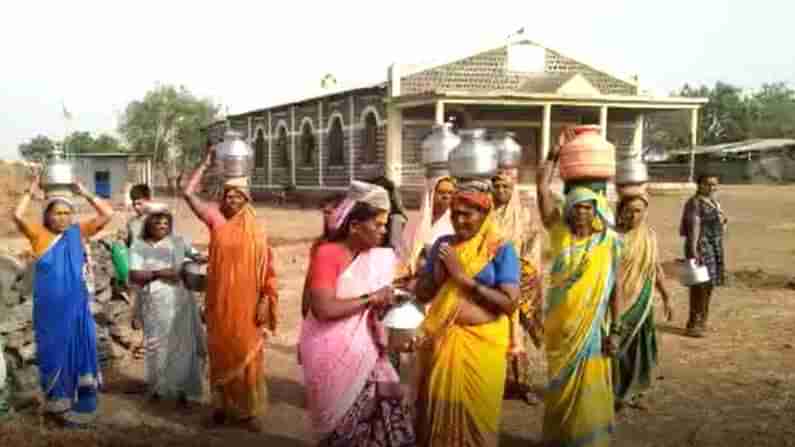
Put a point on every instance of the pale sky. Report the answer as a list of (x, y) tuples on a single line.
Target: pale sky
[(97, 56)]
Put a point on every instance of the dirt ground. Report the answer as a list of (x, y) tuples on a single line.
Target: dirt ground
[(734, 388)]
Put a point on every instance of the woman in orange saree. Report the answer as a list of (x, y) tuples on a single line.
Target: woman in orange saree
[(240, 302)]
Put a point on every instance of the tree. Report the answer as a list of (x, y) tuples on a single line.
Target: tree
[(37, 149), (107, 143), (168, 120), (727, 117), (79, 142), (774, 111)]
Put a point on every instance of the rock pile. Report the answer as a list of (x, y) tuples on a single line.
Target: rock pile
[(111, 307)]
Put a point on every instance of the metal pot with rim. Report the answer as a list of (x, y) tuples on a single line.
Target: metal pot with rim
[(436, 149), (58, 177), (194, 276), (509, 152), (233, 156), (475, 157), (631, 171)]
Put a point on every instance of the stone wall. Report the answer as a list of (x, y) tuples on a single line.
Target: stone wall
[(110, 306)]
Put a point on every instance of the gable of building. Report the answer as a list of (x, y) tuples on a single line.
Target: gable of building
[(509, 68)]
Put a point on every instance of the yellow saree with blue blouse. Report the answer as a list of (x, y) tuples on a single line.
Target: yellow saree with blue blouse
[(462, 367)]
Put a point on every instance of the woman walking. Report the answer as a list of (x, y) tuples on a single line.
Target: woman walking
[(586, 253), (240, 302), (515, 222), (642, 274), (66, 343), (702, 227), (471, 281), (353, 393), (172, 327)]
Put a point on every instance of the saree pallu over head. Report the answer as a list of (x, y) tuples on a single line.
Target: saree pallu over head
[(462, 368), (424, 231), (240, 272), (579, 399), (64, 327), (339, 356), (517, 226)]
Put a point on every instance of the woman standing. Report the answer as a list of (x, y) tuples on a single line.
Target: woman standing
[(397, 216), (515, 222), (642, 273), (172, 328), (353, 393), (433, 223), (66, 340), (472, 283), (240, 302), (703, 224), (579, 396)]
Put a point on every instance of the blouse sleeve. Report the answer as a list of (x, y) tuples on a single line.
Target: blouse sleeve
[(506, 266), (324, 268)]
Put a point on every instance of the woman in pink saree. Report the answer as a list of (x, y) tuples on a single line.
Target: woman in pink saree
[(353, 392)]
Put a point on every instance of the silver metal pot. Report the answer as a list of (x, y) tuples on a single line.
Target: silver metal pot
[(631, 171), (233, 156), (475, 157), (436, 149), (58, 172), (509, 152), (194, 275)]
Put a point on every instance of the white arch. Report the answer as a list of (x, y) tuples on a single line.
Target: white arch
[(257, 128), (332, 117), (279, 124), (374, 111), (304, 121)]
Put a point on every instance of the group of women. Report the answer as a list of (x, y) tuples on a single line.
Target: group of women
[(240, 306), (474, 262)]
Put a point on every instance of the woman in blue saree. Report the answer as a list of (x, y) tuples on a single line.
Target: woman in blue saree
[(62, 321)]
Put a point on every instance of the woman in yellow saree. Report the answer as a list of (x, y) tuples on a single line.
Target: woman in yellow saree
[(472, 282), (586, 252)]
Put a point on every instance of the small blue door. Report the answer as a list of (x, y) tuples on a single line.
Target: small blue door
[(102, 184)]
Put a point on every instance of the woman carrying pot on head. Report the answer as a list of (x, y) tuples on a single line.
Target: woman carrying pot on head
[(580, 301), (702, 227), (471, 281), (173, 335), (642, 274), (241, 301), (516, 224), (352, 392), (66, 343)]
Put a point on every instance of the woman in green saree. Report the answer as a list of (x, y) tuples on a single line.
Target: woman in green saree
[(637, 345)]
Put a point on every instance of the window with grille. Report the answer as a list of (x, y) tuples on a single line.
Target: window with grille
[(307, 145), (370, 139), (259, 149), (336, 143), (282, 147)]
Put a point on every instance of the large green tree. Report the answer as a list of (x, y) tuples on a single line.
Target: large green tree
[(37, 149), (773, 108), (167, 123)]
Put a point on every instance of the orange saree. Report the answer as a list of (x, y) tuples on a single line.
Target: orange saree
[(240, 272)]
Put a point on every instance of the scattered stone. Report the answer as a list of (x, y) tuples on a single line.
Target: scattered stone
[(17, 318)]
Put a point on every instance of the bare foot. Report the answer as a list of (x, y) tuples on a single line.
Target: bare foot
[(254, 425)]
